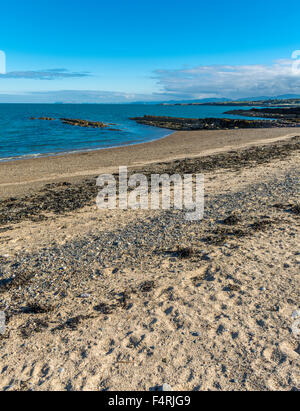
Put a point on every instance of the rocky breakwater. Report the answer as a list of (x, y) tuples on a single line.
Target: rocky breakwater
[(43, 118), (79, 123), (175, 123), (83, 123)]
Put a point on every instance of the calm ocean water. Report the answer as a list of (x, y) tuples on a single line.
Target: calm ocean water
[(21, 137)]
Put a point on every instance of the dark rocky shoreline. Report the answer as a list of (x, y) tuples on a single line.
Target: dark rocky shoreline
[(279, 113), (186, 124)]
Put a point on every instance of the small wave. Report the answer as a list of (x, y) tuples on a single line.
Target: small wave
[(22, 157)]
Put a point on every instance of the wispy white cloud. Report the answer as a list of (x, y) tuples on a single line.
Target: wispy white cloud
[(51, 74), (230, 81)]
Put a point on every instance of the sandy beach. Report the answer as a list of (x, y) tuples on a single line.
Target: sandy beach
[(25, 176), (129, 300)]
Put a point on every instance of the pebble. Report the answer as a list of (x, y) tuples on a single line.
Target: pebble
[(296, 314), (85, 295), (165, 387)]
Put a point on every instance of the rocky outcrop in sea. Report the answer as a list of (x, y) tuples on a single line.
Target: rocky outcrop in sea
[(78, 122)]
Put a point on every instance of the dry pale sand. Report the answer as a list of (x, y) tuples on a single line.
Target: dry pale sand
[(127, 313)]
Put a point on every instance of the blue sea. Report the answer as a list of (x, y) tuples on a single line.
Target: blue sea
[(21, 137)]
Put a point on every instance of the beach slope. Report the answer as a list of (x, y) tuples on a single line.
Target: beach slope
[(129, 300)]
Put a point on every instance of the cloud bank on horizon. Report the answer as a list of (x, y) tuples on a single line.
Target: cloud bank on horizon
[(230, 81), (211, 81), (73, 96)]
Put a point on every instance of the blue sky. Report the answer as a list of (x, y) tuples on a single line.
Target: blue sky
[(126, 50)]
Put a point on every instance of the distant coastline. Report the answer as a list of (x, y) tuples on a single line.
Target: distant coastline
[(291, 102)]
